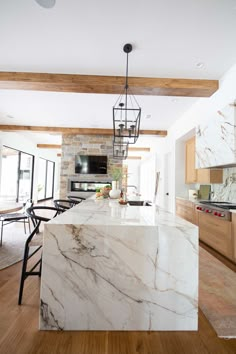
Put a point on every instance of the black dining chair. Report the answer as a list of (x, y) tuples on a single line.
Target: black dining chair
[(37, 215), (20, 216), (63, 204), (76, 197), (75, 200)]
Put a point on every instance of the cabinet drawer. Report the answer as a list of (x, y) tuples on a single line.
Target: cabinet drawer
[(185, 212), (184, 202)]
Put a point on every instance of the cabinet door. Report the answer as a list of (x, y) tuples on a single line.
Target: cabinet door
[(186, 210), (203, 175), (209, 176), (216, 233), (234, 235), (190, 171)]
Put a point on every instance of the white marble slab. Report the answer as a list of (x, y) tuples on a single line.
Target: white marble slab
[(113, 267), (215, 139)]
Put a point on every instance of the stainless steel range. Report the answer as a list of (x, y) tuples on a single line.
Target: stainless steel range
[(216, 209)]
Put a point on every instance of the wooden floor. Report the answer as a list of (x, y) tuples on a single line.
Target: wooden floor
[(19, 330)]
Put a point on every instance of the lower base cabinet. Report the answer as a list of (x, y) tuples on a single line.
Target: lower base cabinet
[(216, 233), (186, 210), (234, 236)]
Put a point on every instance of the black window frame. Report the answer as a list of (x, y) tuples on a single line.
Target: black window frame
[(53, 180)]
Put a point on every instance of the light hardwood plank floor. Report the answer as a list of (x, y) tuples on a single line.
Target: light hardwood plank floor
[(19, 330)]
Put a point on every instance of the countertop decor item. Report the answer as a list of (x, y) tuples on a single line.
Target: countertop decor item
[(204, 192), (106, 190), (115, 191), (126, 111), (116, 174), (193, 194)]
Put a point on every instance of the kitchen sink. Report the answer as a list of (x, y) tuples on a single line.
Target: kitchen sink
[(138, 203)]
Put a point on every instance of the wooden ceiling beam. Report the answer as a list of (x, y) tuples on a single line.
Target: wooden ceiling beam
[(107, 84), (146, 149), (81, 131), (48, 146), (134, 157)]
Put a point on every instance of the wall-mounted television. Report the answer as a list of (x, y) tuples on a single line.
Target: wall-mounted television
[(90, 164)]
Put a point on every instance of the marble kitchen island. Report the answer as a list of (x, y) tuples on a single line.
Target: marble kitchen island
[(118, 267)]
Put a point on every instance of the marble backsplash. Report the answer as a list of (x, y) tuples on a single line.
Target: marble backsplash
[(227, 190)]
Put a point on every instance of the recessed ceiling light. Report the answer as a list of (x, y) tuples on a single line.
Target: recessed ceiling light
[(148, 116), (47, 4), (200, 65)]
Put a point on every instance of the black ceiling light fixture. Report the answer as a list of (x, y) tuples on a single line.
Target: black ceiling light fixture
[(47, 4), (126, 111), (120, 149)]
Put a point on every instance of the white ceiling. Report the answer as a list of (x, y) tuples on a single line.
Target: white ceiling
[(86, 37)]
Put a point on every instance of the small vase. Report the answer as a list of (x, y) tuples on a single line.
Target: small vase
[(115, 192)]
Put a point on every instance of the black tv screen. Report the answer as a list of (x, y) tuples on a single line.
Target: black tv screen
[(88, 164)]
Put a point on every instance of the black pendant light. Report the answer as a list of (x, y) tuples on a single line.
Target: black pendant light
[(120, 149), (126, 112)]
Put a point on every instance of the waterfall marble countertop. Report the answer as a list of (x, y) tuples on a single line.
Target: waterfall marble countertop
[(118, 267)]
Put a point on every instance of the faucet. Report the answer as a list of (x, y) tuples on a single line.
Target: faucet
[(132, 186)]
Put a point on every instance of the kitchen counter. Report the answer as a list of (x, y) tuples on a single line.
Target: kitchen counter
[(118, 267), (193, 200)]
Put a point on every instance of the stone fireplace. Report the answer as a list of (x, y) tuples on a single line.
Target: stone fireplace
[(73, 145)]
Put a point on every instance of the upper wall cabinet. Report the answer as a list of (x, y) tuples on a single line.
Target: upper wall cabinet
[(190, 170), (216, 139), (193, 175)]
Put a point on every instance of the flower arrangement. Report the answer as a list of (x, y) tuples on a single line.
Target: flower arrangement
[(103, 192), (116, 173)]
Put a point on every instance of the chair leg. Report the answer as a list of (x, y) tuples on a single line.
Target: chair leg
[(1, 232), (24, 267), (40, 267), (29, 225), (24, 226)]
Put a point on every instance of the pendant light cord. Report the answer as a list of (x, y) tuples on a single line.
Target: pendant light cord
[(126, 86)]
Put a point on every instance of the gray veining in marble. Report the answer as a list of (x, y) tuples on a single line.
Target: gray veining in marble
[(215, 139)]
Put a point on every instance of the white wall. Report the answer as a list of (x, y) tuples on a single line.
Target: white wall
[(142, 174), (133, 175), (147, 177), (19, 142), (184, 128)]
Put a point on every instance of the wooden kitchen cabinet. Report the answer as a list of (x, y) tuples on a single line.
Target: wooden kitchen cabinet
[(234, 236), (190, 170), (216, 233), (209, 176), (203, 175), (186, 210)]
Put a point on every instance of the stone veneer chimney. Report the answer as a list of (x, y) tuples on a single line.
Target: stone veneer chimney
[(73, 145)]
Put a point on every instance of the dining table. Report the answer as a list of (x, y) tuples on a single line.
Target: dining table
[(9, 207), (6, 208)]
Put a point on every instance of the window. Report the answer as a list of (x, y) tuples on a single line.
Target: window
[(45, 179), (17, 175)]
